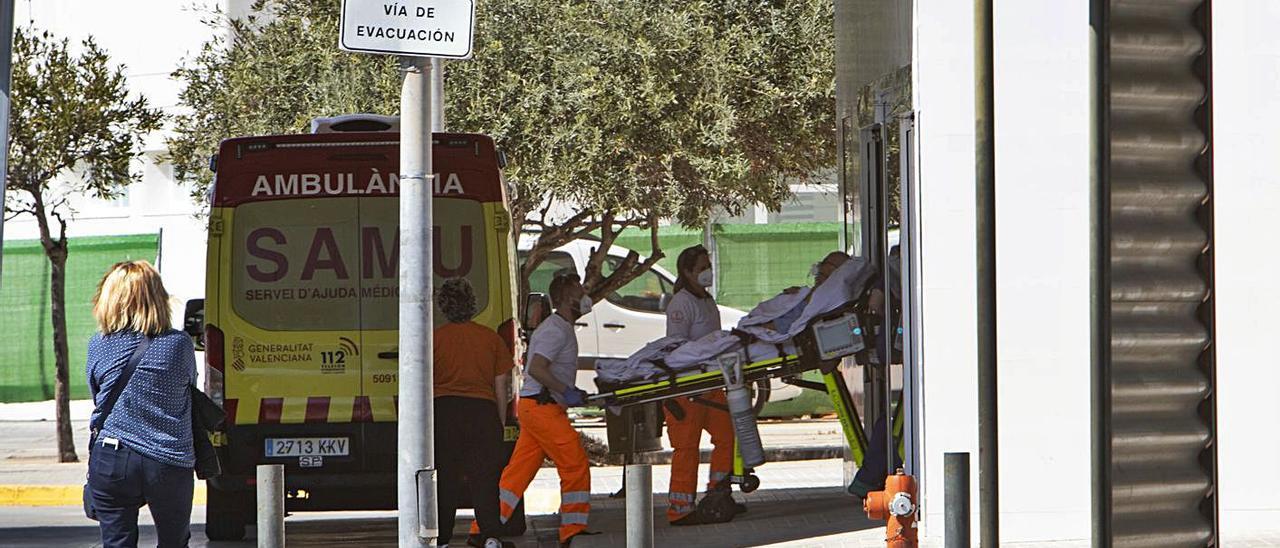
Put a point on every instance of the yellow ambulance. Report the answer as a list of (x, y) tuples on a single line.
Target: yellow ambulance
[(300, 309)]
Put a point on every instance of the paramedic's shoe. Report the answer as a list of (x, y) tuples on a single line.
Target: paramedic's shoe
[(478, 542), (692, 518)]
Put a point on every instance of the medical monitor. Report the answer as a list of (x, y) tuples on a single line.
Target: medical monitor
[(838, 337)]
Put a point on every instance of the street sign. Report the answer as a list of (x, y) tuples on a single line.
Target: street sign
[(415, 28)]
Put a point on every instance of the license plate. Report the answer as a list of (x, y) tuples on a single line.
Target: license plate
[(307, 447)]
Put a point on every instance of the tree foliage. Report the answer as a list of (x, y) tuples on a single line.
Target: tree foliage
[(629, 112), (71, 122)]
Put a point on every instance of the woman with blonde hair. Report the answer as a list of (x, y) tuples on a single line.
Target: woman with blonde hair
[(140, 372)]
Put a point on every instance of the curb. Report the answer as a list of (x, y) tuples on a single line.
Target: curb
[(59, 495), (72, 495)]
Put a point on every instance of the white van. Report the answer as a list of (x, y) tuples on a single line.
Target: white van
[(631, 317)]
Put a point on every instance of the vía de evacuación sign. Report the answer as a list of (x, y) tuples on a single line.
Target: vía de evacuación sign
[(420, 28)]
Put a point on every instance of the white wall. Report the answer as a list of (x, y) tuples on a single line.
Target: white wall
[(1246, 60), (943, 88), (1042, 173)]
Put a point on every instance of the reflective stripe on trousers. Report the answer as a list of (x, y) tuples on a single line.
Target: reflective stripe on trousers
[(573, 518), (680, 505), (508, 498), (716, 478)]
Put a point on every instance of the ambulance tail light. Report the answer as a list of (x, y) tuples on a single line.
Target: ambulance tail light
[(508, 333), (507, 330), (214, 355)]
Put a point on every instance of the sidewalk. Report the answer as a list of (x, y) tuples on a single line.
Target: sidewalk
[(29, 475), (42, 411), (799, 505), (823, 516), (778, 516)]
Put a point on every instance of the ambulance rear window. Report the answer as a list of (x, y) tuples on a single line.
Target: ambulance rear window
[(332, 263)]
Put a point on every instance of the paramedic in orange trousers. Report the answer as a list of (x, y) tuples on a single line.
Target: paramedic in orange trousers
[(547, 392), (692, 313)]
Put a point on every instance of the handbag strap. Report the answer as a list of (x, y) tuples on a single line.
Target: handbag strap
[(121, 382)]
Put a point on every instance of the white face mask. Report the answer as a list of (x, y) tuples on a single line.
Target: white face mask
[(584, 305), (706, 278)]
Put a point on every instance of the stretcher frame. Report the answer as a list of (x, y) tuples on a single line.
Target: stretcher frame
[(788, 368)]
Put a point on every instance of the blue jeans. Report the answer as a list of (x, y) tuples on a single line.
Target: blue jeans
[(122, 481)]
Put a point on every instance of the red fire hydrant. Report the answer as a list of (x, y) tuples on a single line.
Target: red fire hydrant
[(897, 505)]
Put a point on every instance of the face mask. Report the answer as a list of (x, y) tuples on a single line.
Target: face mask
[(706, 278), (814, 270), (584, 305)]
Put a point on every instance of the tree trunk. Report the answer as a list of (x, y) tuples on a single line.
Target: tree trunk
[(57, 253)]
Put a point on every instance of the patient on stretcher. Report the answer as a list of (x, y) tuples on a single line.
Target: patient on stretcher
[(765, 333)]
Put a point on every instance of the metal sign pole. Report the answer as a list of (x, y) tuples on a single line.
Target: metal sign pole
[(415, 477), (437, 94), (6, 69), (428, 30)]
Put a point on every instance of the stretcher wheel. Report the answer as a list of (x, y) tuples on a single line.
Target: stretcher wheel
[(750, 483)]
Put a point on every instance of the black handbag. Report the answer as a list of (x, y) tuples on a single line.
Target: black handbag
[(107, 406), (206, 416)]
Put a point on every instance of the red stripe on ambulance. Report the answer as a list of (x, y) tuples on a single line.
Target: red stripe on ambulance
[(362, 411), (270, 410), (317, 409), (229, 406)]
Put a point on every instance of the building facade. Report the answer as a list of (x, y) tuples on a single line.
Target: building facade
[(1141, 443)]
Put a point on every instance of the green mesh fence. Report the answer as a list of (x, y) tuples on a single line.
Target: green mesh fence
[(758, 261), (26, 330), (755, 261)]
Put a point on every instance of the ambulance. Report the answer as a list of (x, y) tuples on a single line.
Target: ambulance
[(301, 302)]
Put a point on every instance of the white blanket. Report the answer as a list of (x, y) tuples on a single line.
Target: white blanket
[(774, 308), (842, 287), (640, 365)]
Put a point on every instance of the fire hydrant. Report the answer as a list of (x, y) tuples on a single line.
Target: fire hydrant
[(897, 505)]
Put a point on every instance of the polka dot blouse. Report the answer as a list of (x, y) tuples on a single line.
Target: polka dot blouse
[(153, 414)]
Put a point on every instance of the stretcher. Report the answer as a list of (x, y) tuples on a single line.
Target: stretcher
[(826, 341)]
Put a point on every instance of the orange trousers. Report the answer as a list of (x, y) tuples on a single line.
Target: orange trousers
[(686, 440), (545, 432)]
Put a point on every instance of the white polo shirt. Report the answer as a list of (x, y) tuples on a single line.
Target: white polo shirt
[(555, 340), (691, 317)]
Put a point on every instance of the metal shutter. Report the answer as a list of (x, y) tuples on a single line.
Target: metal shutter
[(1154, 424)]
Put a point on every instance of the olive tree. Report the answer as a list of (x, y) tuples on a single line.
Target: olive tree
[(624, 113), (73, 130)]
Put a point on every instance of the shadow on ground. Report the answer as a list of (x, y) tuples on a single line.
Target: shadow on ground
[(774, 516)]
